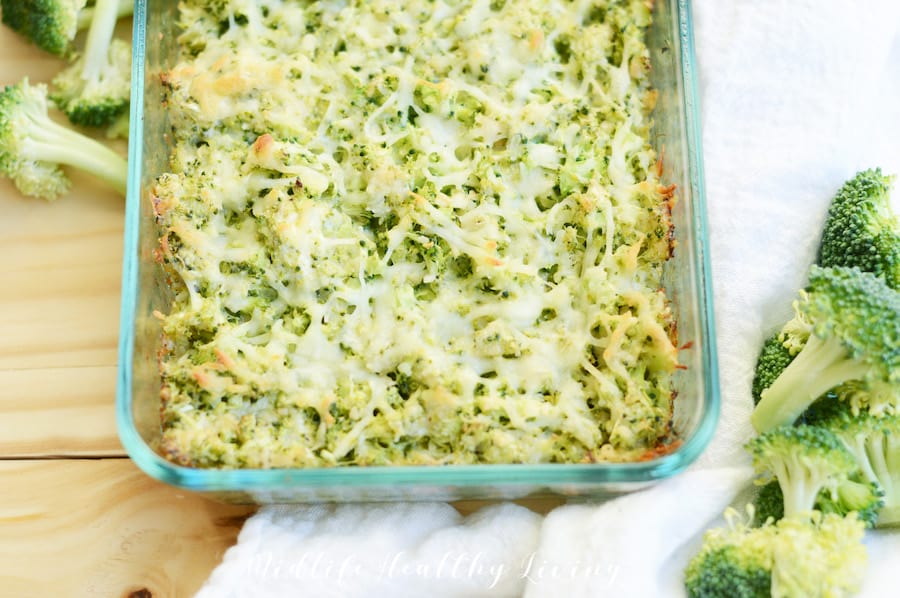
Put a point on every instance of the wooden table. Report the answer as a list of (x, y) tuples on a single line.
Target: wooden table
[(77, 518)]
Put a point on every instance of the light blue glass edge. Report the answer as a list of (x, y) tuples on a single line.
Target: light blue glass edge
[(693, 131), (483, 476), (128, 435)]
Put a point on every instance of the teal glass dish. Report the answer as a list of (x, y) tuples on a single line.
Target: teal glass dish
[(676, 134)]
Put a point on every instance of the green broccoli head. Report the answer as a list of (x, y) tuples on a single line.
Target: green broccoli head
[(22, 111), (96, 101), (855, 322), (51, 24), (875, 444), (32, 146), (773, 358), (855, 307), (729, 571), (768, 504), (804, 460), (735, 560), (861, 230), (755, 562)]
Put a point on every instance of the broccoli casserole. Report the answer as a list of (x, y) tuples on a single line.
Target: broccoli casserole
[(421, 232)]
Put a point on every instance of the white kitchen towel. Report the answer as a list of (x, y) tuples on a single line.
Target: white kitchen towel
[(633, 545), (797, 96), (392, 550)]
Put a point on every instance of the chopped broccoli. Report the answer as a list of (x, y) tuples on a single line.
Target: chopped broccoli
[(805, 460), (773, 358), (739, 561), (95, 89), (861, 229), (32, 146), (53, 24), (875, 444), (855, 319)]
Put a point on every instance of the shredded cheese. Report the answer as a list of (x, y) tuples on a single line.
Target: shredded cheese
[(413, 232)]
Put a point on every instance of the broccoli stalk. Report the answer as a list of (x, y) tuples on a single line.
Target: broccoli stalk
[(805, 460), (855, 319), (861, 229), (94, 91), (124, 9), (53, 24), (887, 472), (820, 366), (32, 146), (100, 34), (740, 561)]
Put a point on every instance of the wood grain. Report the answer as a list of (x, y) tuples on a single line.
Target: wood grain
[(60, 264), (60, 261), (20, 59), (102, 528), (58, 412), (60, 267)]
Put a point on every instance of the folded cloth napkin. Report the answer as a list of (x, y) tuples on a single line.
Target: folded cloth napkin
[(797, 96)]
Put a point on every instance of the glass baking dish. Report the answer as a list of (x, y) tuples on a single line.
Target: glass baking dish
[(676, 134)]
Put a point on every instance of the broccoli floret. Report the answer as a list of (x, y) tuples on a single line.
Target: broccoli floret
[(804, 460), (779, 350), (796, 331), (819, 555), (768, 503), (32, 146), (738, 569), (855, 319), (735, 560), (773, 358), (53, 24), (875, 444), (854, 496), (861, 230), (863, 498), (95, 89), (877, 399)]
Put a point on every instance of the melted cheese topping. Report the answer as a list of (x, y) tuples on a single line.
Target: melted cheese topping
[(421, 232)]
